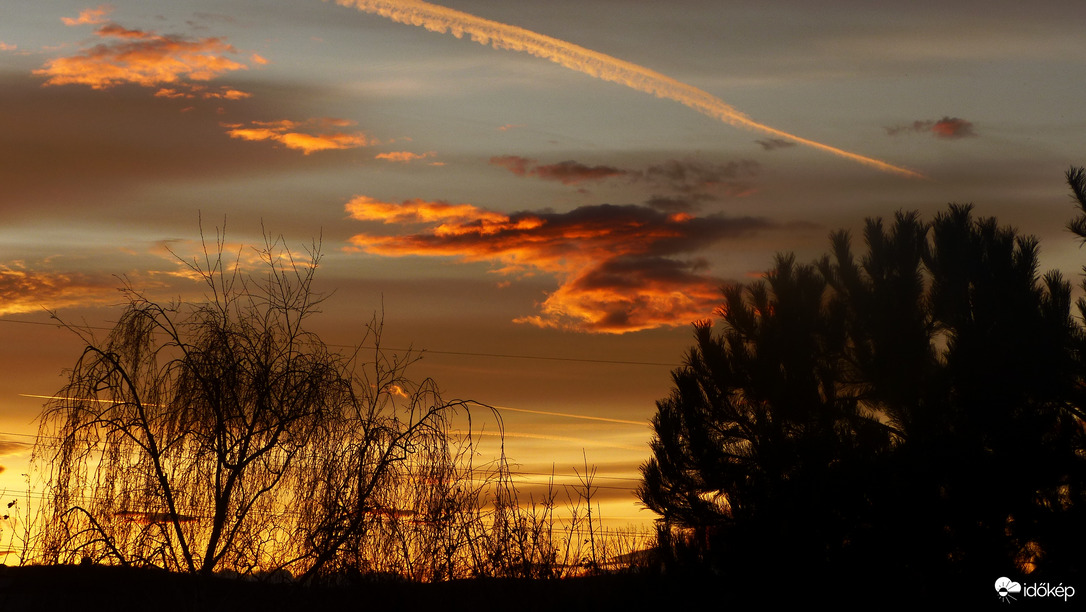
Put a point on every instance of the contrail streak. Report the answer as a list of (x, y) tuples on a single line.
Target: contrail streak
[(503, 36), (568, 415)]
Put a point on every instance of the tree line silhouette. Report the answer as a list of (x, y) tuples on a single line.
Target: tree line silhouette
[(914, 410)]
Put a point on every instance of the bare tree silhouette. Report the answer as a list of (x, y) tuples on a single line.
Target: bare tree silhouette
[(224, 434)]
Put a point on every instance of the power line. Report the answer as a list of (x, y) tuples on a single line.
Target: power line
[(426, 351)]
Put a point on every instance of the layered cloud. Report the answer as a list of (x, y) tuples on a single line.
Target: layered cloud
[(947, 127), (139, 57), (680, 184), (32, 291), (11, 447), (89, 16), (619, 268), (308, 136)]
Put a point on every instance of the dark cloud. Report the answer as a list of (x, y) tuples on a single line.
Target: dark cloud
[(620, 268), (947, 127), (694, 176), (566, 172), (684, 183), (771, 144)]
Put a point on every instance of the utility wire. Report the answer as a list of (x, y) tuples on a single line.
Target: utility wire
[(422, 351)]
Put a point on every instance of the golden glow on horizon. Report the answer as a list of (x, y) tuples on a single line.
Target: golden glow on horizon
[(580, 442), (504, 36), (569, 416)]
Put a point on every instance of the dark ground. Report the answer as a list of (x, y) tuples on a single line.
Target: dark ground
[(86, 588)]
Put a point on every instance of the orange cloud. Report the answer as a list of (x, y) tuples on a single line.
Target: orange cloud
[(89, 16), (448, 218), (142, 58), (404, 157), (320, 134), (6, 47), (27, 291), (619, 268)]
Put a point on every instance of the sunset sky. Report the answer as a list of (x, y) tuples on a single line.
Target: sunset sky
[(543, 214)]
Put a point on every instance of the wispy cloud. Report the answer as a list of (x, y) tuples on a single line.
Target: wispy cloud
[(619, 268), (681, 184), (947, 127), (206, 93), (566, 172), (309, 136), (11, 447), (404, 157), (31, 291), (89, 16), (701, 180), (772, 144), (139, 57), (504, 36), (6, 47)]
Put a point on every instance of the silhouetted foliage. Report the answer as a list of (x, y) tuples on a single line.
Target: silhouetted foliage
[(221, 436), (917, 409), (224, 435)]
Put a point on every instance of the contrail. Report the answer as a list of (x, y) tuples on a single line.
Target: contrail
[(567, 415), (503, 36)]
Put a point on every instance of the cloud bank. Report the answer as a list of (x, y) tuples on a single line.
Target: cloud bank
[(619, 268)]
